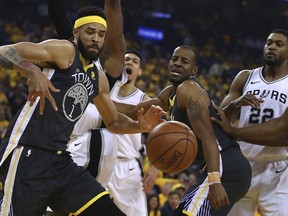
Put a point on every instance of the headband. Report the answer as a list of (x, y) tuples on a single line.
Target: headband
[(89, 19)]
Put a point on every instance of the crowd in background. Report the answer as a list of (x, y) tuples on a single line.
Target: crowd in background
[(225, 48)]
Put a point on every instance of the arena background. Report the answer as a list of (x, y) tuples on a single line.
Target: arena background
[(229, 34)]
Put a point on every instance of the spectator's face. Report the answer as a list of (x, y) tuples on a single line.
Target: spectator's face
[(276, 49), (181, 65), (153, 202), (173, 200), (90, 40)]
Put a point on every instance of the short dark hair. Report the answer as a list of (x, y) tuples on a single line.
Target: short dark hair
[(135, 52), (281, 31), (90, 11), (194, 50)]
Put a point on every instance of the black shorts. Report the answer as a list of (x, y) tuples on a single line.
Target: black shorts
[(236, 179), (45, 178)]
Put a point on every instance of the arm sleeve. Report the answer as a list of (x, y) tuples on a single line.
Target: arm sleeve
[(62, 24)]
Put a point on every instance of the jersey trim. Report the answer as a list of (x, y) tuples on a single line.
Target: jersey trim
[(22, 122), (89, 203)]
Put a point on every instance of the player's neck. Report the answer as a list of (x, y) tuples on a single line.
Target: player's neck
[(127, 89), (274, 72)]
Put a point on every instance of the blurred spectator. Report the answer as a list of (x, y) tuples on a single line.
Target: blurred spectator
[(171, 203), (153, 203)]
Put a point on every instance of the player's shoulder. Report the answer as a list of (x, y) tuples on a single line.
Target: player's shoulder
[(242, 76)]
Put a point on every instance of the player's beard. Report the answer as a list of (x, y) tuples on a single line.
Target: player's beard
[(87, 55)]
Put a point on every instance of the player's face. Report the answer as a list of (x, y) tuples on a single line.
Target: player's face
[(182, 65), (276, 49), (132, 64), (90, 40)]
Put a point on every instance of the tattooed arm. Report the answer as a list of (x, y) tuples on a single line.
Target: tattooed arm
[(18, 57), (192, 98)]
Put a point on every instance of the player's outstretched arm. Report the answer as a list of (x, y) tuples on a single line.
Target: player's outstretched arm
[(112, 56), (62, 24), (117, 122), (270, 133), (20, 56)]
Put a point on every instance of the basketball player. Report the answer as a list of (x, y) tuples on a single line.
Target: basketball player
[(96, 150), (125, 184), (36, 171), (227, 173), (98, 159), (261, 94)]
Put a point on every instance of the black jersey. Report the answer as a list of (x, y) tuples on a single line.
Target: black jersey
[(52, 130), (177, 114)]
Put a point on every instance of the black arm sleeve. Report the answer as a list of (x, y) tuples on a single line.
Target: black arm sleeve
[(62, 24)]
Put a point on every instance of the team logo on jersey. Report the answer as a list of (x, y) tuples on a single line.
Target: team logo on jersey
[(75, 102), (93, 75)]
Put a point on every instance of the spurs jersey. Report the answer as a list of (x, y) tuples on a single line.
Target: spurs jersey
[(77, 88), (275, 102), (129, 144)]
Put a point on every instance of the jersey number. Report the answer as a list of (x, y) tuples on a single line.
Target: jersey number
[(259, 116)]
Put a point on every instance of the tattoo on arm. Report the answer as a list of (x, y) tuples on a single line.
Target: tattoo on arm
[(282, 137), (11, 56), (5, 63), (195, 108)]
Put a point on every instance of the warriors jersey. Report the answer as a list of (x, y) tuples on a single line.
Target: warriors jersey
[(177, 114), (77, 88), (91, 118), (129, 144), (275, 102)]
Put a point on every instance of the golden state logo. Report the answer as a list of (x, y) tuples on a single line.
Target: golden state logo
[(75, 102), (93, 75)]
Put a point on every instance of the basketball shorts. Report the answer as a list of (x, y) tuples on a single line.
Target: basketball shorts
[(33, 179), (235, 178), (126, 188), (96, 151), (268, 190)]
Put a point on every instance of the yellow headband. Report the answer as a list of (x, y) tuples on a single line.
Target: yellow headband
[(89, 19)]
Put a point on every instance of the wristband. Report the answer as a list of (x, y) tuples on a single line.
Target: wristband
[(214, 178)]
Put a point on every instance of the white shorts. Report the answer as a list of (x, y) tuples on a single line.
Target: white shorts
[(268, 191), (100, 157), (125, 187)]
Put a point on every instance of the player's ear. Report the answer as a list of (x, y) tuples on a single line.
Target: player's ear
[(195, 69), (140, 71), (75, 33)]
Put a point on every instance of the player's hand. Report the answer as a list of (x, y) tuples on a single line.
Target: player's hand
[(248, 100), (149, 179), (40, 86), (217, 196), (223, 122), (151, 119)]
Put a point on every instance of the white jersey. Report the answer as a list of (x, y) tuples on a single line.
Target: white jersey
[(275, 102), (129, 144)]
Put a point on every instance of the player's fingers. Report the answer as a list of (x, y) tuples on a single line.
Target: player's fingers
[(52, 88), (42, 105), (32, 99)]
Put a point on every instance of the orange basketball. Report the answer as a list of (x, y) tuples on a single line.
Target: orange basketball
[(171, 146)]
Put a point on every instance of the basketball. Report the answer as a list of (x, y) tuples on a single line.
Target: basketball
[(171, 147)]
